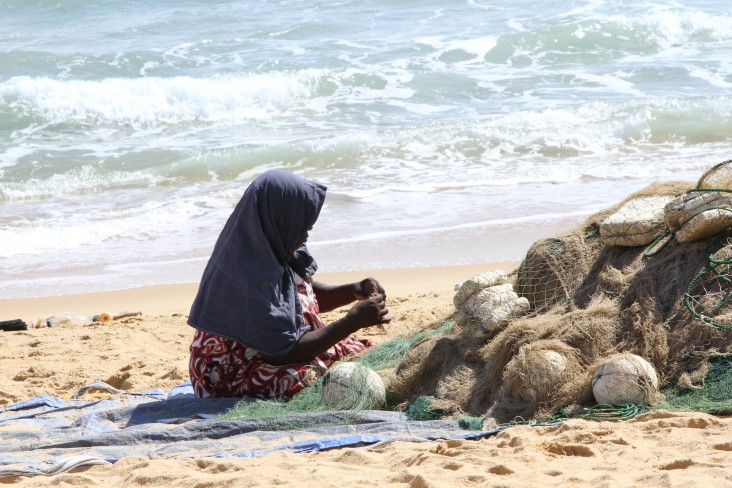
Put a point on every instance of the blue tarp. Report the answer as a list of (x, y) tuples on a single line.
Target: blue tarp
[(46, 435)]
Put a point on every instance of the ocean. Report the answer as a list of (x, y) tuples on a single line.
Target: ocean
[(447, 132)]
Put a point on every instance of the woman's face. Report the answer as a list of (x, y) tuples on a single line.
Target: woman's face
[(302, 240)]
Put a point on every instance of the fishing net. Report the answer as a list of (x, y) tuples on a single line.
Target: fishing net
[(619, 283), (281, 415), (713, 392), (718, 176)]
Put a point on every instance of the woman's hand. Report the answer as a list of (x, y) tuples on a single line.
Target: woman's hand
[(367, 288), (369, 311)]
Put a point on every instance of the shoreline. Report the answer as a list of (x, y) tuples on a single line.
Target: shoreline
[(177, 298)]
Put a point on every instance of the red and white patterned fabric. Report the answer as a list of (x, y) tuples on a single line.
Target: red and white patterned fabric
[(221, 367)]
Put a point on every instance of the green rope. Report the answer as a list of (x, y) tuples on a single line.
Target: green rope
[(625, 411), (715, 265), (649, 253), (705, 190)]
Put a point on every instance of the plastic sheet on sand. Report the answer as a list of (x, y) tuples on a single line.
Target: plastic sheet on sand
[(47, 435)]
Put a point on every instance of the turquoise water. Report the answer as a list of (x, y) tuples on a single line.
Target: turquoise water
[(447, 133)]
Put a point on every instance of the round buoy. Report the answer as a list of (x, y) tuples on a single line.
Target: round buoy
[(546, 371), (533, 376), (351, 386), (625, 379)]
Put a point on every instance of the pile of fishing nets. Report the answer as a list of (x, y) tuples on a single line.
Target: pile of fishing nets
[(632, 306), (639, 292)]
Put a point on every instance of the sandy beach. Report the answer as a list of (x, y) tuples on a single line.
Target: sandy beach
[(446, 133), (150, 351)]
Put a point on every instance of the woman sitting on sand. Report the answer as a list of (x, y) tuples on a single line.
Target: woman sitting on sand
[(256, 312)]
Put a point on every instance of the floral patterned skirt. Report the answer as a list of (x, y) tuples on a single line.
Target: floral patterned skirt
[(221, 367)]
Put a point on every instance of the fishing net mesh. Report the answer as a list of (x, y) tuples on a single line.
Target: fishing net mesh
[(712, 392)]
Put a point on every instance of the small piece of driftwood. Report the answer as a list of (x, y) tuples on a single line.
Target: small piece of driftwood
[(107, 317)]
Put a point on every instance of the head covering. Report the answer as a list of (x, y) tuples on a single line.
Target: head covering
[(248, 291)]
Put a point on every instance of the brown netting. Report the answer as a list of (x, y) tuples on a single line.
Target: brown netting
[(539, 376), (588, 301), (718, 176), (446, 365)]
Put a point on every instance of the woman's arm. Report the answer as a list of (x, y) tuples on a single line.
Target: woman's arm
[(331, 297), (365, 313)]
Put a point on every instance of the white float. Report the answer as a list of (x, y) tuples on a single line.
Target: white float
[(625, 379)]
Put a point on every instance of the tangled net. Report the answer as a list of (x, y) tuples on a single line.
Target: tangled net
[(593, 293)]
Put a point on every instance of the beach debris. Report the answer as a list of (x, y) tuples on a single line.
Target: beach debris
[(39, 324), (626, 378), (103, 317), (637, 223), (106, 317), (13, 325), (56, 320), (352, 386), (18, 324)]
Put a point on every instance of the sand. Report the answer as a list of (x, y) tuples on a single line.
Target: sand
[(150, 351)]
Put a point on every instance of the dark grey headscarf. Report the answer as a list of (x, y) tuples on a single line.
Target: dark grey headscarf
[(248, 291)]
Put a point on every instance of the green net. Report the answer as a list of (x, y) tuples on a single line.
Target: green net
[(708, 295), (423, 408), (272, 413), (713, 396), (308, 400), (389, 354)]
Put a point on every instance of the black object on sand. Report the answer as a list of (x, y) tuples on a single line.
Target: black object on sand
[(13, 325)]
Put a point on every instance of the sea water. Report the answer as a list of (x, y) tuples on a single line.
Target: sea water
[(447, 132)]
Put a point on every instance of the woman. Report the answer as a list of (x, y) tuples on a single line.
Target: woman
[(258, 332)]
